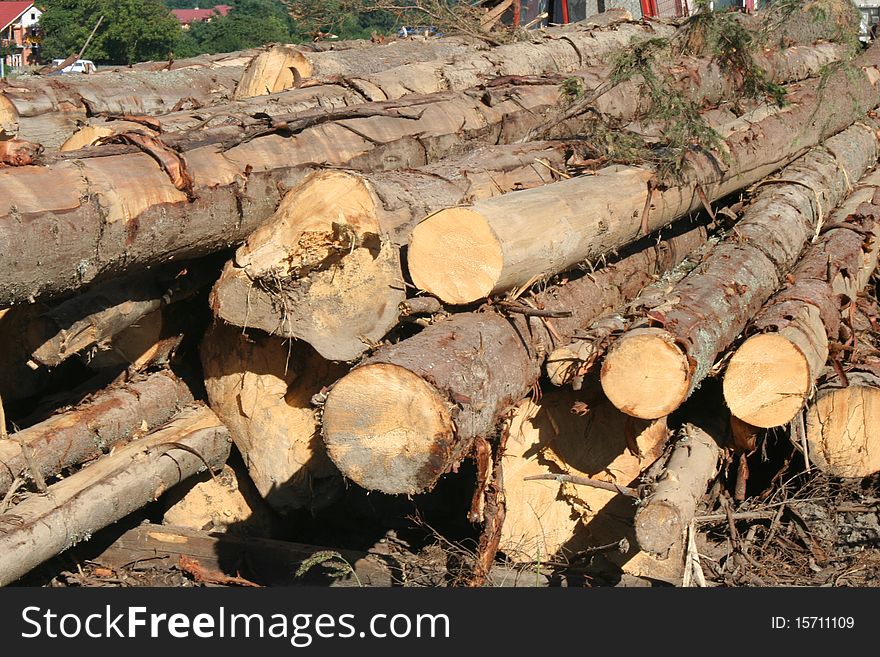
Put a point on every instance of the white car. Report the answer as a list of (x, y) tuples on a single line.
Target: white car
[(79, 66)]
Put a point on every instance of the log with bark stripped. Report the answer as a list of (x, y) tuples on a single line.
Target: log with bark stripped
[(76, 507), (464, 254), (93, 427), (411, 412), (325, 268), (117, 208), (262, 389), (772, 374), (649, 372)]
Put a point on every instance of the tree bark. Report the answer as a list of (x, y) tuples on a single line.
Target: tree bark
[(547, 437), (649, 372), (110, 489), (464, 254), (663, 518), (411, 412), (90, 429), (262, 389), (772, 374), (116, 209), (326, 267)]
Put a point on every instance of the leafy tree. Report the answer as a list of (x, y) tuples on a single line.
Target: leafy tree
[(251, 23), (132, 30)]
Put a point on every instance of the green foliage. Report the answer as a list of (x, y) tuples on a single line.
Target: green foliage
[(250, 24), (573, 88), (334, 564), (132, 30)]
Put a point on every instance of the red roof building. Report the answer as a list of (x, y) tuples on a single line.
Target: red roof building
[(188, 16), (19, 32)]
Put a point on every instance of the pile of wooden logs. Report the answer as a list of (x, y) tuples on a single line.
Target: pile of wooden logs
[(368, 264)]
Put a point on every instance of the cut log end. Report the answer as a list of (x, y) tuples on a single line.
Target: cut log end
[(273, 71), (8, 117), (645, 374), (386, 429), (659, 527), (767, 381), (843, 431), (455, 255)]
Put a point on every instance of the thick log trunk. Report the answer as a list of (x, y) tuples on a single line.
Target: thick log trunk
[(772, 374), (113, 209), (546, 437), (663, 518), (326, 267), (464, 254), (90, 429), (110, 489), (262, 389), (412, 411), (100, 313), (649, 372)]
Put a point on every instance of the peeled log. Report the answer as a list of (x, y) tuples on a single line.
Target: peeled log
[(325, 268), (663, 518), (546, 437), (133, 476), (464, 254), (111, 416), (648, 373), (262, 389), (411, 411), (772, 374), (113, 208)]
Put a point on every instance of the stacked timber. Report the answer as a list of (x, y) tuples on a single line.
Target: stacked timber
[(265, 278)]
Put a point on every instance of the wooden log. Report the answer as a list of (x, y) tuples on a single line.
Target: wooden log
[(663, 518), (110, 489), (411, 411), (772, 374), (649, 372), (464, 254), (326, 267), (104, 311), (547, 438), (91, 428), (262, 389), (114, 208)]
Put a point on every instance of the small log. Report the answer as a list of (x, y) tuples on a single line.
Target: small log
[(772, 374), (411, 411), (663, 518), (93, 427), (262, 389), (109, 489), (464, 254), (103, 311), (547, 437), (326, 267), (649, 372)]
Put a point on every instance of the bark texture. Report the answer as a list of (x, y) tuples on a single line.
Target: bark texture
[(326, 267), (111, 416), (110, 489), (649, 372), (411, 412)]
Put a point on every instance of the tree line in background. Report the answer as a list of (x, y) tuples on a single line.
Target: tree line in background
[(143, 30)]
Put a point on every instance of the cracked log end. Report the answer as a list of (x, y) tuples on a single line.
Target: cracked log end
[(455, 255), (273, 71), (8, 117), (843, 428), (89, 136), (767, 380), (645, 374), (387, 429)]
